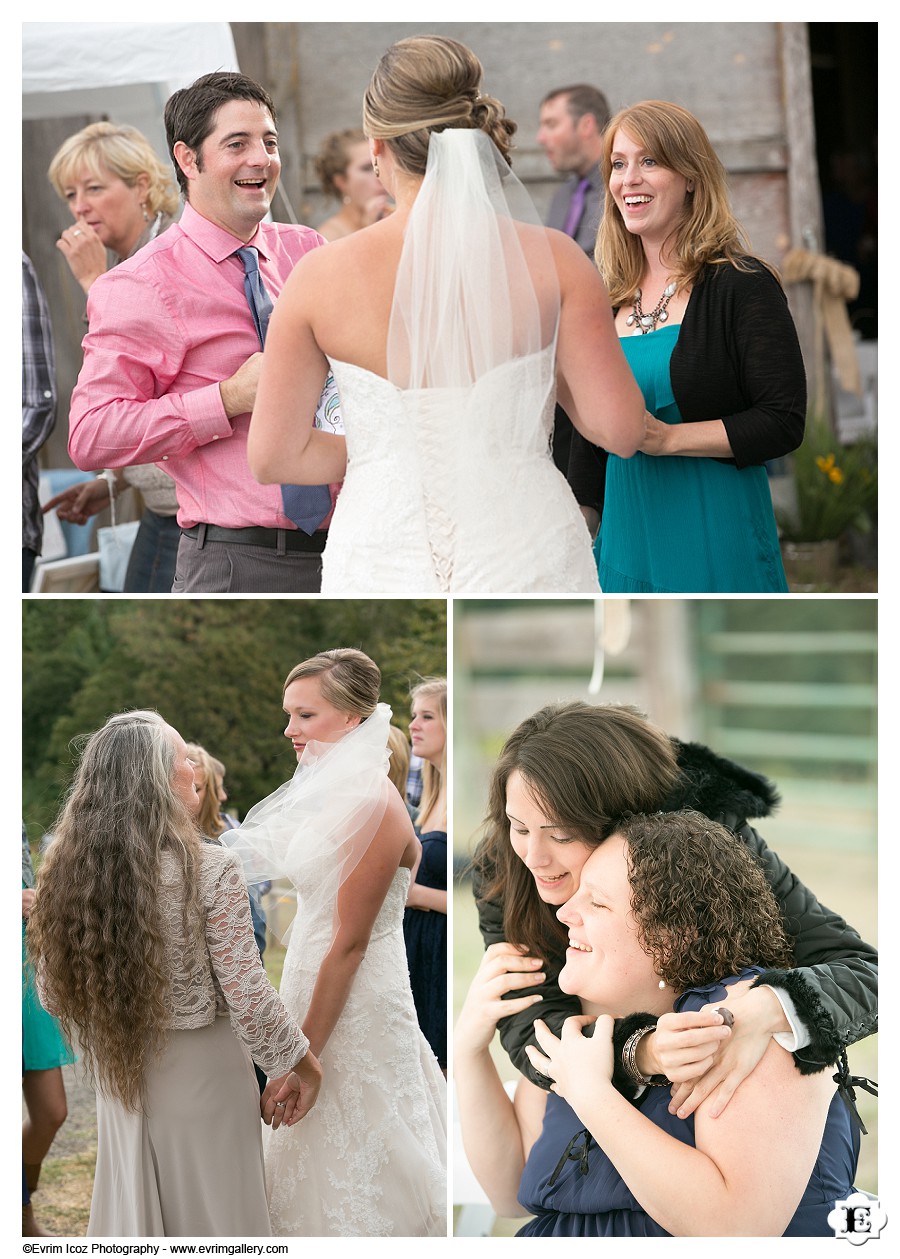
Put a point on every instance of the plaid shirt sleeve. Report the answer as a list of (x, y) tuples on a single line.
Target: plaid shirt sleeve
[(38, 371), (38, 398)]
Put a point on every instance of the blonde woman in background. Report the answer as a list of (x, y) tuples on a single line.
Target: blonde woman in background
[(121, 196), (398, 768), (425, 921), (345, 170), (119, 192), (209, 815)]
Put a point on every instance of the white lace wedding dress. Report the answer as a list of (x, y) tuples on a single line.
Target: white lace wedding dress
[(369, 1158), (455, 491), (450, 484)]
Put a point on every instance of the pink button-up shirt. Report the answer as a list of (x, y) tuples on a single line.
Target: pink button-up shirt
[(166, 326)]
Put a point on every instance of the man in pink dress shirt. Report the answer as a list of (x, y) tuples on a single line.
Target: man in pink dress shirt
[(172, 355)]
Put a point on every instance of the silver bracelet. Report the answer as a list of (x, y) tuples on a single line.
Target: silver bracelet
[(629, 1060)]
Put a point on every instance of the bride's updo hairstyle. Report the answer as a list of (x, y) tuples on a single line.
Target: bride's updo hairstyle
[(428, 83), (348, 678)]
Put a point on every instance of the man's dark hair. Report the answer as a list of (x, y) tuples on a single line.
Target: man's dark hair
[(191, 111), (583, 99)]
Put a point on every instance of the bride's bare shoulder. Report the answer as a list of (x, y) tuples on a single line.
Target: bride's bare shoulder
[(347, 260)]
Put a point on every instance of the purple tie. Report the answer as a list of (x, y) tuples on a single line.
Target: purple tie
[(576, 207)]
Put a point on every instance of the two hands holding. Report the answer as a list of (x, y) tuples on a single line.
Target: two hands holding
[(289, 1097), (698, 1051)]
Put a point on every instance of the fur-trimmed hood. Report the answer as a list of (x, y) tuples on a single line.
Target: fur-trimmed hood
[(719, 788)]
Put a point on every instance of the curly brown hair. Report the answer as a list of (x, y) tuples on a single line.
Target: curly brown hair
[(703, 907), (96, 935)]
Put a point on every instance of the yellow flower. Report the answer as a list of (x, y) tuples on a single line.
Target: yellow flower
[(835, 476), (823, 464)]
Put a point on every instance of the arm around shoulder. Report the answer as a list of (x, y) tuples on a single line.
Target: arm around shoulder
[(834, 984)]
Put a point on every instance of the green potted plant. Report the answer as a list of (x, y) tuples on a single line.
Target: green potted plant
[(836, 489)]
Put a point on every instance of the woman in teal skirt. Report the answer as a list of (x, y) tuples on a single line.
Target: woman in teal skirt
[(44, 1053), (709, 337)]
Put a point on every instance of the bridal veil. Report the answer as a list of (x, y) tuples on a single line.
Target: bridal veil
[(476, 286)]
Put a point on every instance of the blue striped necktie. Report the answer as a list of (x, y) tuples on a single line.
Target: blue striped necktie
[(306, 505)]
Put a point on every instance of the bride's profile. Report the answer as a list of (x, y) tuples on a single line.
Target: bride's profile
[(450, 327), (374, 1164)]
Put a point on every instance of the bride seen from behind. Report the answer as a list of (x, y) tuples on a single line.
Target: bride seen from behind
[(340, 832), (450, 327)]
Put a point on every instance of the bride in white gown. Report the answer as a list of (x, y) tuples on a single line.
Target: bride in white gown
[(451, 326), (370, 1160)]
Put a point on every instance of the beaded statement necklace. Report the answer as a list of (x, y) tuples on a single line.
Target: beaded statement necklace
[(644, 323)]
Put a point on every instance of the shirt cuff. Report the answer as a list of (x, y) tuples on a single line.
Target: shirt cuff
[(798, 1037), (205, 412)]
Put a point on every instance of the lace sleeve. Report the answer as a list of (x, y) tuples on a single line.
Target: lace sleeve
[(257, 1013)]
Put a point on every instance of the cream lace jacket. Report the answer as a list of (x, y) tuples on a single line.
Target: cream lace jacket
[(222, 976), (227, 977)]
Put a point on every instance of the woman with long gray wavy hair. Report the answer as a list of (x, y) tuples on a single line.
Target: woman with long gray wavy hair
[(144, 950)]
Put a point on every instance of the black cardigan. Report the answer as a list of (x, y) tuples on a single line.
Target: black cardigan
[(738, 360)]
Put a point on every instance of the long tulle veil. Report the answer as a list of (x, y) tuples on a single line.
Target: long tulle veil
[(476, 285), (314, 829), (476, 301)]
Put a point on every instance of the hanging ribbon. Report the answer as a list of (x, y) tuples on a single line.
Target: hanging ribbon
[(846, 1084)]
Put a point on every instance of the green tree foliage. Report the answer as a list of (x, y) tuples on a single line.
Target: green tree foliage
[(214, 668)]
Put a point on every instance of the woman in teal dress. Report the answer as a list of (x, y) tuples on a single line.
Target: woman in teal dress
[(707, 332), (44, 1053)]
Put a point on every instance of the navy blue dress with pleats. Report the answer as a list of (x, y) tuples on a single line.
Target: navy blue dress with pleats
[(588, 1197), (425, 932)]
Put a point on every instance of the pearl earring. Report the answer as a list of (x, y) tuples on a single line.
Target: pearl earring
[(662, 983), (375, 168)]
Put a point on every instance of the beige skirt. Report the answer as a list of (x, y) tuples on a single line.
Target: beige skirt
[(192, 1165)]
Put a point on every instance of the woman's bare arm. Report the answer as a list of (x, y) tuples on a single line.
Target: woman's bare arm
[(596, 387), (282, 444), (359, 901)]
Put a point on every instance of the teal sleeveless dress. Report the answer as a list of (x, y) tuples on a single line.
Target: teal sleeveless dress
[(676, 524), (43, 1045)]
